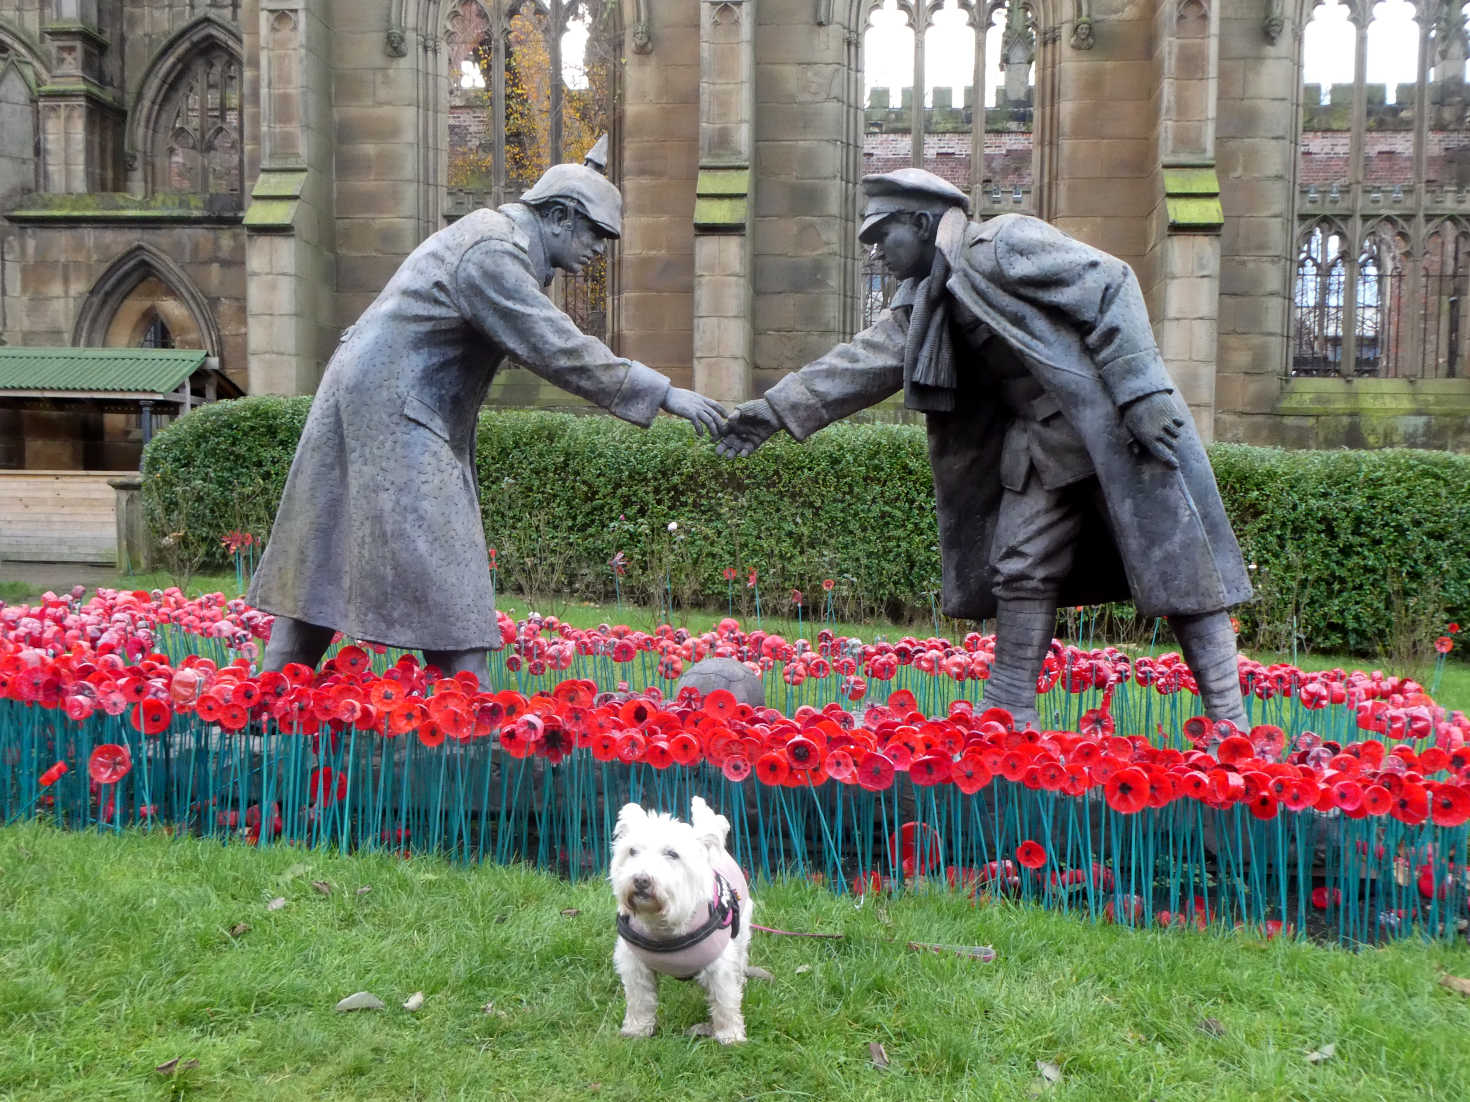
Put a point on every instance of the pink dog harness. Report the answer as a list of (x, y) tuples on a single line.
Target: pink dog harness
[(687, 954)]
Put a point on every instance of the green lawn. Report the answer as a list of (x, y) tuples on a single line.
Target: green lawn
[(117, 955)]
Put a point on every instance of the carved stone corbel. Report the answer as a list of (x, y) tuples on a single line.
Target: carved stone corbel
[(1274, 22), (1083, 37), (395, 38), (640, 34)]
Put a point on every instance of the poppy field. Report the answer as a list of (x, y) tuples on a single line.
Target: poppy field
[(1340, 813)]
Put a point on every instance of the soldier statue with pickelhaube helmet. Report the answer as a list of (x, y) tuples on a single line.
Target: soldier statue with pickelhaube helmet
[(379, 532), (1067, 469)]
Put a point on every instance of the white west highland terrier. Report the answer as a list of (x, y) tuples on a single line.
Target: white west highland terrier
[(683, 910)]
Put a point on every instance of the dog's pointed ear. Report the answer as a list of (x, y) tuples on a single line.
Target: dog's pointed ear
[(710, 827), (629, 817)]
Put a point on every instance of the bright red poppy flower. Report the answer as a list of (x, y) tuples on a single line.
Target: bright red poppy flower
[(875, 771), (54, 774), (1126, 791), (352, 659), (771, 768), (839, 765), (151, 716), (1324, 897), (1376, 799), (1031, 854), (1449, 805), (929, 770), (735, 767)]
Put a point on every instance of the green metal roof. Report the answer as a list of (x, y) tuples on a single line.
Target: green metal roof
[(94, 370)]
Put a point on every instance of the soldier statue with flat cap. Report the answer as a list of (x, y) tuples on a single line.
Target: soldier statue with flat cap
[(379, 533), (1066, 467)]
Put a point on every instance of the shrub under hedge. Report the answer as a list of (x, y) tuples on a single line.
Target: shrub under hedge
[(1361, 551)]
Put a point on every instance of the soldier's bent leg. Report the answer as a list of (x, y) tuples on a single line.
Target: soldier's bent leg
[(452, 662), (1023, 634), (1207, 642), (295, 641), (1035, 542)]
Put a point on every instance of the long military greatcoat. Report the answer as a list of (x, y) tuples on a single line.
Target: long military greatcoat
[(379, 533), (1075, 317)]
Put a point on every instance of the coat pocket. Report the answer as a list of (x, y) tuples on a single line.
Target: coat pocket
[(420, 412)]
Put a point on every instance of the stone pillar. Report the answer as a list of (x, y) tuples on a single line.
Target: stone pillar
[(1187, 261), (723, 200), (80, 115), (1256, 126), (289, 264)]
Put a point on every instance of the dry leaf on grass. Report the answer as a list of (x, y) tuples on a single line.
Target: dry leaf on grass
[(570, 912), (1049, 1071), (275, 904), (414, 1001), (755, 972), (361, 1000), (364, 889), (802, 969), (1212, 1026), (1322, 1055), (171, 1067), (1456, 984), (878, 1054), (239, 929), (322, 886)]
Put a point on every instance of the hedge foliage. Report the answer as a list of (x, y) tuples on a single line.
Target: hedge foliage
[(1357, 551)]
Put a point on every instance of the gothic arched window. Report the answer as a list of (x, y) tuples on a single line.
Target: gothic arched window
[(198, 145), (1385, 141), (530, 85)]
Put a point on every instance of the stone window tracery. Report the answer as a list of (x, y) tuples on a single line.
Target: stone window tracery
[(1384, 158), (196, 143)]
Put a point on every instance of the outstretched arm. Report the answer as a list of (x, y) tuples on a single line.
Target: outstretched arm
[(498, 294), (854, 375)]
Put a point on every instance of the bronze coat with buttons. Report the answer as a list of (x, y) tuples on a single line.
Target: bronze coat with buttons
[(1075, 317), (379, 531)]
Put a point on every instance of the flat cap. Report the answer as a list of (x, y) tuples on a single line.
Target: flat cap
[(907, 189), (588, 188)]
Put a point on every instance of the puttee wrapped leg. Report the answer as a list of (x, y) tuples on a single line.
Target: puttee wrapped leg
[(1207, 642), (1023, 634)]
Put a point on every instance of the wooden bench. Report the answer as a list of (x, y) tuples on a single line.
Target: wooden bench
[(58, 516)]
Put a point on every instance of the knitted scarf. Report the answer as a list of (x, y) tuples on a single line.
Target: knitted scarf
[(928, 354)]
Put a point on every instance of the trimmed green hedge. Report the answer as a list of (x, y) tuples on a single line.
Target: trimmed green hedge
[(1361, 551)]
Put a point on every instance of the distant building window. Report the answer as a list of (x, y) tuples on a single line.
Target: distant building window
[(1383, 238)]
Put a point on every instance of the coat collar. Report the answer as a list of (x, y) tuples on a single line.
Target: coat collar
[(528, 236)]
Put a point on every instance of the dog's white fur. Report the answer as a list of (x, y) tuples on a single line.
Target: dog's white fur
[(662, 874)]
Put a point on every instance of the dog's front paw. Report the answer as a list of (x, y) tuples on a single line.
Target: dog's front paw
[(732, 1035), (637, 1027)]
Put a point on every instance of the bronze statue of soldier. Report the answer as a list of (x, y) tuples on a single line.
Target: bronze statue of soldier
[(1067, 469), (379, 532)]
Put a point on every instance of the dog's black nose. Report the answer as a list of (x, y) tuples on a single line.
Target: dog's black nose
[(642, 883)]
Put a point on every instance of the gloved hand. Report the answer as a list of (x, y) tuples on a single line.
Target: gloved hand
[(750, 426), (705, 414), (1155, 423)]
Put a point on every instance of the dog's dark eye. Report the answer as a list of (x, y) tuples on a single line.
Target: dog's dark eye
[(632, 851), (671, 854)]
